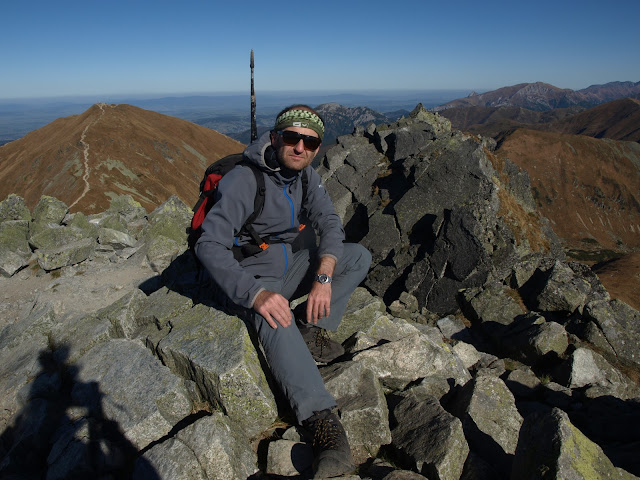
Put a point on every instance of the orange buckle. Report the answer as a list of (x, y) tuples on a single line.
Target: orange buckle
[(301, 227), (264, 246)]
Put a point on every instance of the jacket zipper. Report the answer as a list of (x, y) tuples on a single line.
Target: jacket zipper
[(291, 206), (284, 190)]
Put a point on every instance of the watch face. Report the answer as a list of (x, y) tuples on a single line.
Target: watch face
[(323, 278)]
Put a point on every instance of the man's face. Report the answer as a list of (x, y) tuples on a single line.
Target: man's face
[(294, 157)]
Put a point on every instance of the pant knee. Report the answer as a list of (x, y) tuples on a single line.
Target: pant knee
[(357, 257)]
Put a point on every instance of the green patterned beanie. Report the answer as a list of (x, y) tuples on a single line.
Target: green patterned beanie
[(300, 118)]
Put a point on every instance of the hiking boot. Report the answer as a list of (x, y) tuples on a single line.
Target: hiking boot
[(330, 445), (322, 348)]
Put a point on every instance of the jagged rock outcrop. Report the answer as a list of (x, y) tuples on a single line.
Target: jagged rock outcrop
[(551, 447), (340, 119), (474, 350), (449, 214)]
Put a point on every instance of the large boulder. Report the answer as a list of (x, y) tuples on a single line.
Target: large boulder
[(490, 419), (171, 220), (551, 447), (14, 208), (25, 349), (212, 448), (438, 202), (620, 325), (588, 369), (215, 350), (362, 405), (14, 236), (430, 439), (66, 255), (49, 211), (147, 406), (401, 362)]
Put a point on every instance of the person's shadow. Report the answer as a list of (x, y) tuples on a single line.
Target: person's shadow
[(44, 440)]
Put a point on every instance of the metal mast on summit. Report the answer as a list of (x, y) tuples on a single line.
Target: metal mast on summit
[(254, 126)]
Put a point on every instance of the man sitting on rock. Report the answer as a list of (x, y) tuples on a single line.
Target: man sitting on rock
[(262, 283)]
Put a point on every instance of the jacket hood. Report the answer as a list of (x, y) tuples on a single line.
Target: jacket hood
[(262, 154)]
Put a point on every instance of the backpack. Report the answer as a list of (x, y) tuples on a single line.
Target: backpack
[(208, 186)]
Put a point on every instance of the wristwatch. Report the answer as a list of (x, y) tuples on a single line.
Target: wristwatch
[(323, 278)]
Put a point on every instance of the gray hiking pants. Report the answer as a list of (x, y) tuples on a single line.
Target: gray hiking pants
[(288, 356)]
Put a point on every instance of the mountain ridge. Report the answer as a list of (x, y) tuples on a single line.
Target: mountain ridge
[(540, 96), (111, 150)]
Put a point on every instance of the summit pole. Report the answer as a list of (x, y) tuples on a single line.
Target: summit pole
[(254, 126)]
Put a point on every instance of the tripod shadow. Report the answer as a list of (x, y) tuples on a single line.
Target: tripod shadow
[(62, 432)]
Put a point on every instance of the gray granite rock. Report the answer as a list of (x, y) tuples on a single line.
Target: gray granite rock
[(118, 240), (563, 291), (14, 208), (215, 350), (551, 447), (490, 419), (66, 255), (430, 437), (147, 406), (287, 458), (586, 368), (10, 263), (620, 325), (13, 237), (49, 210), (398, 363), (363, 407)]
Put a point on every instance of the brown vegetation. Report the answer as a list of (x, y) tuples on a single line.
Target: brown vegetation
[(524, 225), (618, 120), (84, 160), (586, 187), (621, 277)]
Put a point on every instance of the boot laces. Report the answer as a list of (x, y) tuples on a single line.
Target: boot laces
[(327, 435), (321, 339)]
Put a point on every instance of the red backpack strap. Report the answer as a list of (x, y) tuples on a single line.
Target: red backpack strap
[(200, 209)]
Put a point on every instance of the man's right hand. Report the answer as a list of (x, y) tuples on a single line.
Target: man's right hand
[(274, 308)]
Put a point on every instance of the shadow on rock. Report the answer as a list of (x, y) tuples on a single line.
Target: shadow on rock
[(614, 424), (62, 431)]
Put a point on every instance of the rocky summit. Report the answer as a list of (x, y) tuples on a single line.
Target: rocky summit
[(474, 349)]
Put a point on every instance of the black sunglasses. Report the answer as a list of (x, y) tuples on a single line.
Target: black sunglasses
[(292, 138)]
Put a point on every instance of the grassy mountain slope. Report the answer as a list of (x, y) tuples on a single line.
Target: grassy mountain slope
[(587, 187), (86, 159)]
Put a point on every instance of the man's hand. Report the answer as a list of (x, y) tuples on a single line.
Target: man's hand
[(318, 302), (274, 308)]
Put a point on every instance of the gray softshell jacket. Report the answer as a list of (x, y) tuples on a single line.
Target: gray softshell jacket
[(283, 202)]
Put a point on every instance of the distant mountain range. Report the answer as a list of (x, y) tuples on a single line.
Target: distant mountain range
[(339, 120), (225, 113), (588, 188), (229, 114), (510, 108), (618, 119), (540, 96)]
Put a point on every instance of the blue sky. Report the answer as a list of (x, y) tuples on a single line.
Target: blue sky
[(90, 47)]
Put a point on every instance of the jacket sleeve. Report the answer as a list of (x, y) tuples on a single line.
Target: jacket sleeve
[(234, 204), (324, 218)]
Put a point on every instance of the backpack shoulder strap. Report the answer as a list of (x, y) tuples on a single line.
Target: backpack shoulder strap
[(305, 184), (258, 204)]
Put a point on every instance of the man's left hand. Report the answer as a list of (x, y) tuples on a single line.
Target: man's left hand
[(318, 302)]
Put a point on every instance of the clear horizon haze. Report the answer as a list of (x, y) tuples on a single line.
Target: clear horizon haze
[(97, 48)]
